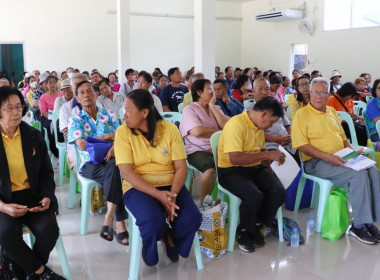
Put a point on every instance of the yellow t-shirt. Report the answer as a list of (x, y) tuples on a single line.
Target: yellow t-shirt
[(15, 158), (29, 96), (154, 164), (294, 107), (239, 135), (321, 130), (187, 99)]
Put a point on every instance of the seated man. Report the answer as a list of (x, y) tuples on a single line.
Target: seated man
[(229, 105), (318, 134), (172, 95), (93, 121), (66, 97), (243, 169)]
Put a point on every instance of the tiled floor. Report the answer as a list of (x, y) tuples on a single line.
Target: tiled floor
[(91, 257)]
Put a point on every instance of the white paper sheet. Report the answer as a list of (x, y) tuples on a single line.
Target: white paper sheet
[(287, 171)]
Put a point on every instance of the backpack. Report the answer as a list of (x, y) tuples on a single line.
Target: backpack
[(288, 225)]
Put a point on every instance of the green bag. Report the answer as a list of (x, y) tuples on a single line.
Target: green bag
[(335, 219)]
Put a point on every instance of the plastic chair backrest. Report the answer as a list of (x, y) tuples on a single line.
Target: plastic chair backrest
[(121, 114), (214, 140), (180, 107), (247, 102), (343, 116), (172, 117), (359, 107), (288, 112), (378, 127), (54, 121), (77, 157), (366, 123)]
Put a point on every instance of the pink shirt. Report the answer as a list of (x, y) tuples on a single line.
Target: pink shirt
[(46, 102), (194, 115), (115, 88)]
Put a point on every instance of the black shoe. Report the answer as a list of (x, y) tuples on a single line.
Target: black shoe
[(258, 240), (245, 240), (48, 274), (362, 235), (374, 232), (170, 252)]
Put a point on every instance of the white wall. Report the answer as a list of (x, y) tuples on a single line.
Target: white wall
[(268, 45), (58, 34)]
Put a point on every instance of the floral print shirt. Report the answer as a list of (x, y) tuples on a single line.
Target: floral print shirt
[(83, 125)]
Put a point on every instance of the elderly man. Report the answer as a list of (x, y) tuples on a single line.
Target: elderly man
[(318, 134), (229, 105), (93, 121), (111, 101), (243, 163), (66, 97), (335, 81)]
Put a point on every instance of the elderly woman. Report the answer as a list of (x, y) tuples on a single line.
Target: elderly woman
[(361, 92), (342, 101), (26, 190), (303, 95), (199, 121), (93, 121), (152, 161), (373, 112), (108, 99)]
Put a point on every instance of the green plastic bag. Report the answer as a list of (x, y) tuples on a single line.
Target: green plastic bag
[(336, 218)]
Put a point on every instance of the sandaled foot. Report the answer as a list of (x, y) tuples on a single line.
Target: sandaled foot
[(122, 238), (107, 233)]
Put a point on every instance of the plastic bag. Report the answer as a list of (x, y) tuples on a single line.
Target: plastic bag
[(97, 149), (336, 218), (212, 233)]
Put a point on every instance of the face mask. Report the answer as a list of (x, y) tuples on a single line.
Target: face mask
[(71, 74), (33, 85)]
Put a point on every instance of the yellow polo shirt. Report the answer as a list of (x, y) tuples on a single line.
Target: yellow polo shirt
[(239, 135), (187, 99), (154, 164), (16, 165), (322, 130)]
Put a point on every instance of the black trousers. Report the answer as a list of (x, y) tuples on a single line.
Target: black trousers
[(108, 175), (43, 226), (260, 191), (46, 124)]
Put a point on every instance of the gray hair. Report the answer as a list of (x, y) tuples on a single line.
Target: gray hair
[(197, 76), (320, 80), (5, 81), (258, 80), (78, 76)]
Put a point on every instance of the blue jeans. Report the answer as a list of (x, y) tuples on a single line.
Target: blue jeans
[(150, 217)]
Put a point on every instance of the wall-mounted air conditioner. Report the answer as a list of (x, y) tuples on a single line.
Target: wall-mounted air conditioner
[(283, 15)]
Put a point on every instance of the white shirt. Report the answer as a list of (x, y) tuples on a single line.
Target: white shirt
[(59, 101), (125, 88), (157, 103)]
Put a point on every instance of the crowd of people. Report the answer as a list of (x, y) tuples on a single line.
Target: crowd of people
[(145, 167)]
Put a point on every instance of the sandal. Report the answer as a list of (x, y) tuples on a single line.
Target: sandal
[(107, 229), (122, 235)]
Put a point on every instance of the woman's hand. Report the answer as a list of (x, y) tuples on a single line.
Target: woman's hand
[(213, 99), (110, 154), (14, 210), (168, 200), (45, 202)]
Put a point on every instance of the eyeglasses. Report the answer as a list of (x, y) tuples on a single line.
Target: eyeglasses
[(18, 107), (323, 93), (303, 84)]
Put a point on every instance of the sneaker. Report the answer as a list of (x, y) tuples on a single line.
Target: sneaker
[(265, 231), (171, 252), (374, 232), (258, 240), (362, 235), (245, 241), (48, 274)]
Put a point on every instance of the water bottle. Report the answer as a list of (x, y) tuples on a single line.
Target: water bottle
[(310, 225), (295, 238)]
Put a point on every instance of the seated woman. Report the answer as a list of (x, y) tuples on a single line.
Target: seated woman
[(26, 190), (162, 82), (151, 158), (342, 101), (46, 104), (373, 112), (303, 95), (241, 88), (199, 121), (112, 82), (361, 92), (108, 99), (93, 121), (288, 86)]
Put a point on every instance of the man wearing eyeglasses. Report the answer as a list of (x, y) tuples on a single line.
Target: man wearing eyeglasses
[(317, 132)]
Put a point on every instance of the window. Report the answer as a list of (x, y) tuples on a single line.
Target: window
[(346, 14), (299, 58)]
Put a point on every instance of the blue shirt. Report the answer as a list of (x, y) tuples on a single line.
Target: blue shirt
[(231, 109), (372, 112), (83, 125), (231, 83), (172, 96), (38, 93)]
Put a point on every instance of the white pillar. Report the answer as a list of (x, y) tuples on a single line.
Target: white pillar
[(123, 39), (204, 37)]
